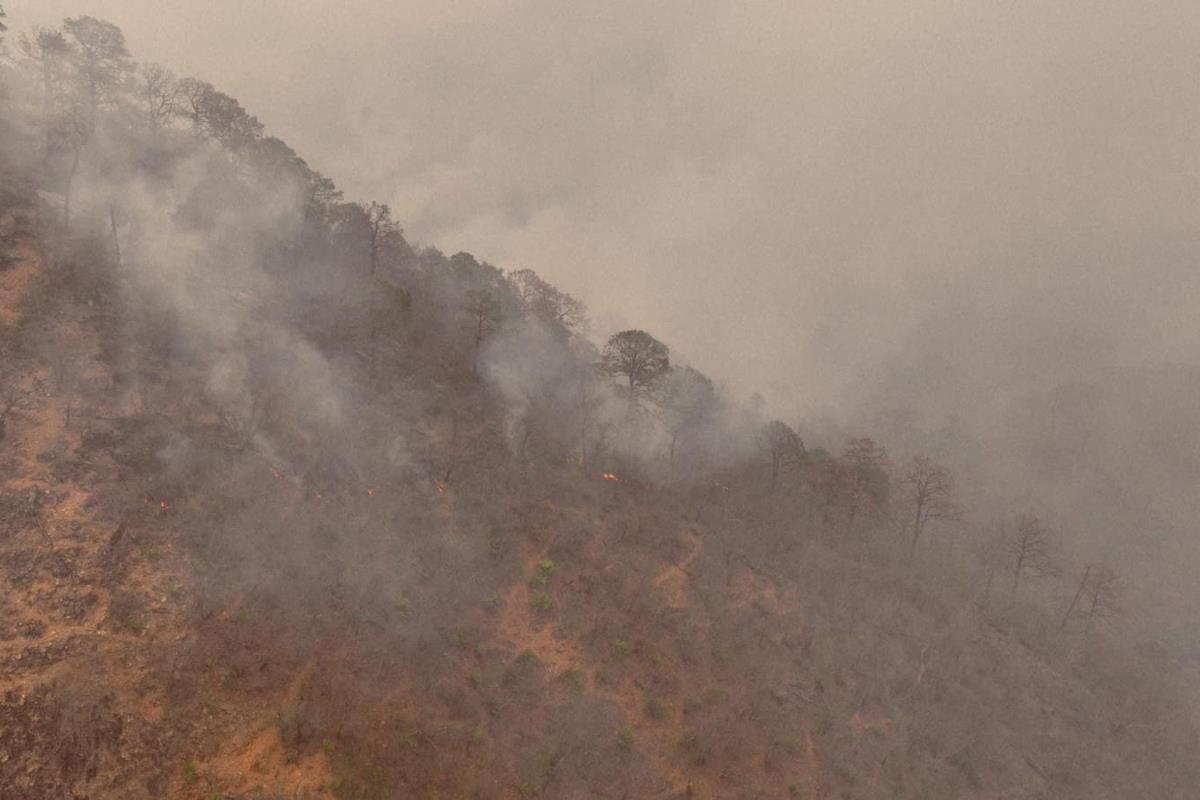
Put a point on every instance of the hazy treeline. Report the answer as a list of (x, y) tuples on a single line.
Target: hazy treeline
[(355, 432), (315, 322)]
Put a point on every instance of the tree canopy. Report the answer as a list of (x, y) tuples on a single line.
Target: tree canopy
[(638, 357)]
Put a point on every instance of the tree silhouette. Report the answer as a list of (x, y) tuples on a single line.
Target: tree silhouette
[(638, 357), (1030, 550), (930, 491)]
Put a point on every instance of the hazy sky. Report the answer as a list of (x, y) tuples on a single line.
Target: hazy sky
[(821, 201)]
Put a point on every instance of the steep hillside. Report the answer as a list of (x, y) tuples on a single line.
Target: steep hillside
[(295, 509), (543, 634)]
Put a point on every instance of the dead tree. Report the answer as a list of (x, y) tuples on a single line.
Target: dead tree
[(1096, 596), (1030, 550), (929, 488)]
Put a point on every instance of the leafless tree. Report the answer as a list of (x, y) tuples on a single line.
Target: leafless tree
[(930, 491), (547, 303), (383, 232), (217, 115), (191, 98), (1097, 595), (160, 92), (1029, 549)]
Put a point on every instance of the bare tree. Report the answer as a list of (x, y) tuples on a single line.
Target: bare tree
[(930, 490), (191, 97), (547, 303), (638, 357), (1030, 550), (217, 115), (160, 93), (383, 232), (1097, 594)]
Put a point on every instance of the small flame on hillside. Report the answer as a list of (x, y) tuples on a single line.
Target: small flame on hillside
[(441, 487), (163, 505), (371, 492), (608, 476), (276, 474)]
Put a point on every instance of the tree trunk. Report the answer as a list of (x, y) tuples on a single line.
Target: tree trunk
[(374, 248), (987, 587), (1075, 599), (112, 221), (67, 191), (918, 525)]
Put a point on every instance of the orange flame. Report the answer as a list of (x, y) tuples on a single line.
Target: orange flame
[(164, 505), (608, 476), (276, 474), (441, 487), (371, 492)]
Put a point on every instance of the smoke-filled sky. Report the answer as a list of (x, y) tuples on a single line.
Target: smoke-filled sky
[(826, 202)]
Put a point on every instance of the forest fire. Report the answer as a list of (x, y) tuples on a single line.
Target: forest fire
[(163, 505), (1002, 607)]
